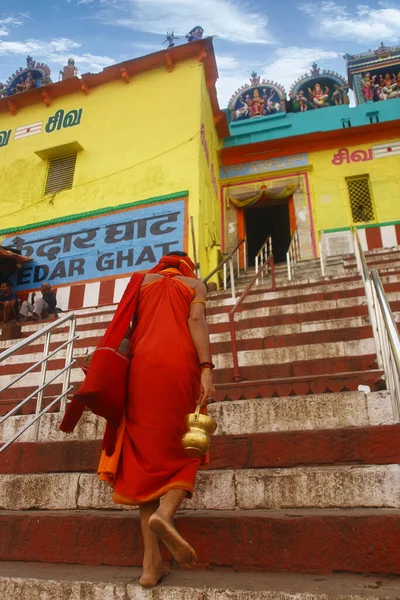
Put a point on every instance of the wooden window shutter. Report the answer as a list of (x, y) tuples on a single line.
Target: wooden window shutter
[(60, 174)]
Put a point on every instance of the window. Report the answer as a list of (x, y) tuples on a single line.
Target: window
[(60, 174), (361, 205)]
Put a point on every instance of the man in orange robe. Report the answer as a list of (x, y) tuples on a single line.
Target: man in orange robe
[(170, 371)]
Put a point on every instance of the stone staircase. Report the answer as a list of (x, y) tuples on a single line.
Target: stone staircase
[(302, 496)]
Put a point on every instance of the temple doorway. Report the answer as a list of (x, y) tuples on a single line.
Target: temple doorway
[(268, 218)]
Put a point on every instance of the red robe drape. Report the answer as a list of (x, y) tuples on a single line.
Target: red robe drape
[(163, 387)]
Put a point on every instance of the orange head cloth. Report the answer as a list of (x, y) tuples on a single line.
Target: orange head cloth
[(181, 263)]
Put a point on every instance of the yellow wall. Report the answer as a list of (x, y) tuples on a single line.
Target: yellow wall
[(209, 233), (140, 140), (329, 189)]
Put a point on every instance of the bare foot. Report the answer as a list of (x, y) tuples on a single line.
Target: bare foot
[(182, 552), (152, 577)]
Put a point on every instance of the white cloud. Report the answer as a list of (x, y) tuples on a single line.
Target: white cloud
[(365, 25), (56, 52), (8, 23), (227, 19), (286, 66)]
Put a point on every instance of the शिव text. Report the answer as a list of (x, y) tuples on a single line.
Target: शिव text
[(343, 155)]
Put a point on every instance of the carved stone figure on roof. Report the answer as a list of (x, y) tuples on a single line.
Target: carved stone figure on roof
[(340, 95), (70, 70), (260, 99), (318, 96), (170, 39), (195, 34), (27, 78), (318, 89), (26, 83), (367, 86)]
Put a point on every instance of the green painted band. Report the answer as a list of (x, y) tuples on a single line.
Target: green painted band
[(366, 226), (93, 213)]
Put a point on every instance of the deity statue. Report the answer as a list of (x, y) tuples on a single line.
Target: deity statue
[(391, 86), (302, 101), (195, 34), (318, 96), (367, 85), (170, 39), (25, 84), (257, 104), (340, 95), (70, 70)]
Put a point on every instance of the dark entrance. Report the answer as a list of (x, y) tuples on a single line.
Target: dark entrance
[(267, 219)]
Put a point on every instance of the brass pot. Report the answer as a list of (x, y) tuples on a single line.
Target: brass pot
[(196, 442)]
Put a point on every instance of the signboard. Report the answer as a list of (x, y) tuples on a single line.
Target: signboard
[(338, 243), (112, 244)]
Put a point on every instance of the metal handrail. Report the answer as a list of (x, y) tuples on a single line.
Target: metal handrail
[(43, 362), (389, 341), (293, 254), (270, 262), (262, 255), (363, 271), (230, 259), (322, 253)]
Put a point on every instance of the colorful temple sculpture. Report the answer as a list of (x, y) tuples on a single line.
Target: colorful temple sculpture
[(375, 75), (70, 70), (318, 90), (93, 187), (259, 99), (32, 76)]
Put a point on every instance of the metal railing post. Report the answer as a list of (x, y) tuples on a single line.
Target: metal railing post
[(288, 266), (232, 275), (43, 373), (46, 378), (225, 277), (68, 359), (321, 259), (245, 255), (236, 374)]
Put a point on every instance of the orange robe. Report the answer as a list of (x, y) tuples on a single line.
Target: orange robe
[(163, 387)]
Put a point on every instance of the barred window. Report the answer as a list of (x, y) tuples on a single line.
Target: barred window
[(361, 204), (60, 174)]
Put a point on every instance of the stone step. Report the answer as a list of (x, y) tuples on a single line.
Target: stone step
[(247, 358), (366, 486), (355, 445), (320, 380), (320, 542), (252, 416), (33, 581), (84, 347)]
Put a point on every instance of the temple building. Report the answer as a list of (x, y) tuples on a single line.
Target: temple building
[(103, 173)]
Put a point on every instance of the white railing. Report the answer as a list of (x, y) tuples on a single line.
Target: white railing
[(262, 257), (38, 392), (231, 261), (293, 254), (386, 336), (322, 253), (389, 342)]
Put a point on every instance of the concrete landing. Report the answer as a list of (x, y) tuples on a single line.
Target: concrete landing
[(29, 581)]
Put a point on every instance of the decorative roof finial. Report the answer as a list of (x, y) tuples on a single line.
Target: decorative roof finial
[(255, 79), (170, 39), (315, 70)]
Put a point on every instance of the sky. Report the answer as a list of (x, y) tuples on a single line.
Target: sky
[(278, 39)]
